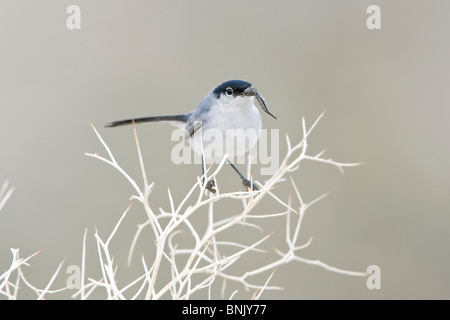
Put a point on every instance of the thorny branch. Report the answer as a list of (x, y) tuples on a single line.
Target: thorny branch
[(201, 266)]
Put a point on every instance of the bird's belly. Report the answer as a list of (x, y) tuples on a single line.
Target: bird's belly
[(229, 133)]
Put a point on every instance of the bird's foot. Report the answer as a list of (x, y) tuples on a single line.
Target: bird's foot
[(210, 186), (247, 183)]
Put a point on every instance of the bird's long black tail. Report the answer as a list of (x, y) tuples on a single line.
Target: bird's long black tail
[(178, 117)]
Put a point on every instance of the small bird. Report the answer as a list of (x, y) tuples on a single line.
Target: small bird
[(228, 108)]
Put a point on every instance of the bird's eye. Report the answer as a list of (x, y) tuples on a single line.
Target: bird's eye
[(229, 91)]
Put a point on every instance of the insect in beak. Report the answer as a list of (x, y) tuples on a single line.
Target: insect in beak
[(250, 91)]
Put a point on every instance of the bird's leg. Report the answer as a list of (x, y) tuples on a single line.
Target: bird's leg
[(246, 182), (210, 185)]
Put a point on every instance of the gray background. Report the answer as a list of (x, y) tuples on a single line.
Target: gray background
[(388, 105)]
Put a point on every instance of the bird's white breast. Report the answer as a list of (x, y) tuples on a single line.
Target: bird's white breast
[(232, 129)]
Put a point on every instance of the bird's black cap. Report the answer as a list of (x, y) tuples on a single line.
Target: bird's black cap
[(238, 87)]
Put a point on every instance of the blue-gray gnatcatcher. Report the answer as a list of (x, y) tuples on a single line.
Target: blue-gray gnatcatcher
[(230, 107)]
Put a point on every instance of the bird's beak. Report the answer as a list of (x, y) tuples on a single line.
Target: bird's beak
[(252, 92)]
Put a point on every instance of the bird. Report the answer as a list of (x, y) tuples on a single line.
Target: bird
[(228, 108)]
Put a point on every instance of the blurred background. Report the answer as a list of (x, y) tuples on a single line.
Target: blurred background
[(387, 99)]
